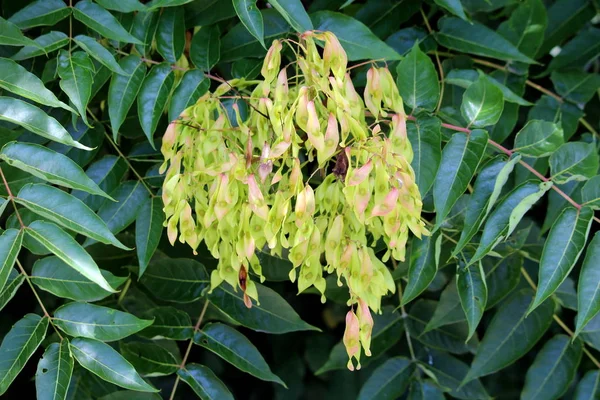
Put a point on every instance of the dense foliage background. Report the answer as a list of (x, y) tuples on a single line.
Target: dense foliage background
[(501, 301)]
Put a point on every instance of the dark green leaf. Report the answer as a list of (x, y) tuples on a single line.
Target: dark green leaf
[(418, 80), (502, 275), (588, 290), (473, 292), (150, 359), (488, 186), (588, 387), (272, 315), (579, 51), (539, 138), (206, 48), (251, 17), (124, 6), (465, 77), (170, 34), (67, 249), (102, 21), (10, 245), (510, 334), (294, 13), (99, 52), (107, 174), (204, 382), (574, 161), (54, 372), (235, 348), (389, 381), (525, 27), (40, 13), (423, 265), (482, 103), (424, 390), (425, 138), (565, 17), (35, 120), (357, 39), (18, 345), (193, 85), (460, 159), (454, 6), (448, 310), (475, 38), (148, 230), (18, 80), (169, 323), (553, 369), (15, 280), (144, 27), (10, 35), (103, 361), (550, 109), (153, 97), (180, 280), (590, 193), (55, 276), (504, 219), (43, 44), (576, 86), (562, 249), (66, 210), (123, 90)]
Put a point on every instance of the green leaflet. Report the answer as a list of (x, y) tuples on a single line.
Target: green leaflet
[(123, 90), (588, 290), (102, 21), (150, 359), (482, 103), (169, 323), (251, 17), (235, 348), (539, 138), (148, 230), (588, 387), (170, 34), (10, 35), (193, 85), (204, 382), (389, 381), (10, 245), (54, 372), (574, 161), (43, 44), (15, 280), (294, 13), (40, 13), (18, 346), (418, 80), (153, 97), (206, 48), (425, 138), (180, 280), (563, 247), (473, 292), (99, 52), (423, 265), (448, 309), (76, 72)]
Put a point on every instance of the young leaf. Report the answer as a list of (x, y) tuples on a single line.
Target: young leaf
[(49, 165), (10, 35), (107, 173), (418, 80), (472, 290), (235, 348), (67, 249), (357, 39), (18, 80), (562, 249), (510, 334), (169, 323), (99, 52), (123, 90), (55, 276), (448, 310), (153, 97), (251, 17), (170, 34), (150, 359), (35, 120), (294, 13), (424, 135), (504, 219), (204, 382), (574, 161), (488, 186), (96, 322), (460, 159), (193, 85), (539, 138), (206, 48), (43, 44), (423, 265), (272, 315), (54, 372), (15, 280), (389, 381), (482, 103), (553, 369), (588, 290), (475, 38), (66, 210), (180, 280), (10, 245), (588, 387), (18, 346), (40, 13), (103, 361), (102, 21), (148, 230)]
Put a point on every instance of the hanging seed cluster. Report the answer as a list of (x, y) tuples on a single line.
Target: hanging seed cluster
[(314, 172)]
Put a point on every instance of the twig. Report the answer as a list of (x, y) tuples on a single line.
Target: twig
[(189, 349)]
